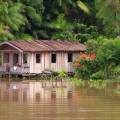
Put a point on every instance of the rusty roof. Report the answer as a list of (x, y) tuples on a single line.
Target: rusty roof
[(47, 45)]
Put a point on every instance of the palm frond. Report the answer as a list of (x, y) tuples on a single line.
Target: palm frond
[(83, 7)]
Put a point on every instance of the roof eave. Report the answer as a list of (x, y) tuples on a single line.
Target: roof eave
[(11, 46)]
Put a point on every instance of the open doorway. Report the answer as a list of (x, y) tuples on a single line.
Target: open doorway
[(15, 59)]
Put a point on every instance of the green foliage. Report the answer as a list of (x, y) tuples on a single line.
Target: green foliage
[(62, 74), (32, 14), (33, 10), (58, 19), (107, 61), (109, 12), (116, 70), (15, 19), (84, 65), (11, 19), (24, 37), (78, 32), (92, 46), (65, 36), (84, 72), (61, 23), (97, 75), (67, 3), (98, 84), (82, 6), (84, 32), (109, 54), (19, 17), (77, 82)]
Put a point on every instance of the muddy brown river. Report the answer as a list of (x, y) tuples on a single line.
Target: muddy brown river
[(44, 100)]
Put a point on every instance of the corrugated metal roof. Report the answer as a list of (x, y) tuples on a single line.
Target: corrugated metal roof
[(47, 45)]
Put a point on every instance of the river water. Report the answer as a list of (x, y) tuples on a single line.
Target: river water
[(44, 100)]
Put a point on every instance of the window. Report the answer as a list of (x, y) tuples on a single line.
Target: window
[(6, 58), (25, 58), (70, 57), (53, 58), (38, 58)]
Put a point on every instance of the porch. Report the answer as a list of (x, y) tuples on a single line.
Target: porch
[(14, 70), (13, 60)]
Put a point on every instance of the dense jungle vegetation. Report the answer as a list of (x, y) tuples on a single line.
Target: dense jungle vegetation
[(95, 23)]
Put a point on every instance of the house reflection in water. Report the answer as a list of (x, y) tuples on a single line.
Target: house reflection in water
[(31, 92)]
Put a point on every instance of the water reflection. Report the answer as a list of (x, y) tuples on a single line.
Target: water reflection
[(34, 91), (58, 101)]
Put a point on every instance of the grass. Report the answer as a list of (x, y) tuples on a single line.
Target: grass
[(98, 84), (77, 82)]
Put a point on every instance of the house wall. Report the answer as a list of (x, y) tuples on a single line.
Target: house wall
[(61, 62), (33, 67), (11, 53)]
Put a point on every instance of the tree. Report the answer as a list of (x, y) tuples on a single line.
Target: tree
[(109, 12), (33, 10), (108, 55), (11, 19), (62, 14)]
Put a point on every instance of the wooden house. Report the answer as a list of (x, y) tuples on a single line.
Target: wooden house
[(38, 55)]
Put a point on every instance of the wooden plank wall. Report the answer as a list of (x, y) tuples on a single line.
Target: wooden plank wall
[(60, 65)]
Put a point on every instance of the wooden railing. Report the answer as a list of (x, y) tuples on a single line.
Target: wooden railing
[(15, 69), (2, 69)]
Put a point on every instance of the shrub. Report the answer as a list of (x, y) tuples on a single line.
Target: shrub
[(62, 74), (97, 75), (109, 54), (84, 64), (116, 70), (115, 73)]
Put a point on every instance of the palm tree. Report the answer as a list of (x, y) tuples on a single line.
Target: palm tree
[(11, 18)]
